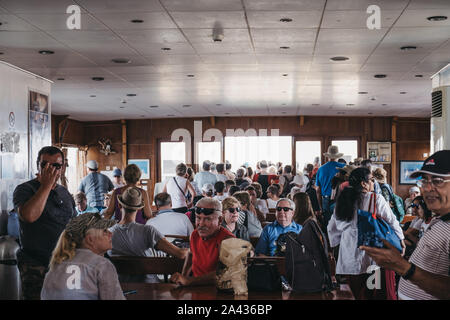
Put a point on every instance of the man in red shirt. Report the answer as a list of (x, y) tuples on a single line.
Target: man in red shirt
[(205, 244)]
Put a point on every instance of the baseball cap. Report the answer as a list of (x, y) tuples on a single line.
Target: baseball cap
[(414, 189), (438, 164), (92, 164), (208, 187), (77, 227), (117, 172)]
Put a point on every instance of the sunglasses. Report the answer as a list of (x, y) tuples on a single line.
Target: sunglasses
[(285, 209), (436, 182), (232, 210), (56, 165), (414, 205), (205, 211)]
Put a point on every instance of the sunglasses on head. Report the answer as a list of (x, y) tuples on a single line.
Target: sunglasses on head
[(205, 211), (285, 209), (56, 165), (232, 210), (413, 205)]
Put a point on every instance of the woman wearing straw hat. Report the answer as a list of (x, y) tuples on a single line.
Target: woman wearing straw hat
[(78, 270)]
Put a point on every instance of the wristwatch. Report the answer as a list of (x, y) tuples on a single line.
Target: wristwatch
[(410, 272)]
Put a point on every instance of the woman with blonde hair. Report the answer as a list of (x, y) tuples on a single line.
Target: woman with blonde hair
[(230, 210), (303, 208), (132, 175), (78, 270)]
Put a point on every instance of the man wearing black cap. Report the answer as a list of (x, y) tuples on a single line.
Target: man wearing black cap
[(426, 275)]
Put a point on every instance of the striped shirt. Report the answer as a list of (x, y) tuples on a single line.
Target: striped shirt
[(432, 254)]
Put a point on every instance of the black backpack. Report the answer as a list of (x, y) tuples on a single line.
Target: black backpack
[(307, 266), (287, 186), (312, 194)]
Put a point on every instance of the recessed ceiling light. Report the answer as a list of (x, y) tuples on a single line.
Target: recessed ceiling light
[(341, 112), (142, 116), (122, 107), (166, 49), (153, 106), (285, 74), (171, 115), (339, 58), (370, 113), (286, 20), (315, 104), (384, 104), (437, 18), (379, 76), (131, 94), (46, 52), (137, 21), (227, 113), (285, 48), (98, 78), (418, 76), (402, 92), (283, 112), (60, 79), (218, 104), (362, 92), (2, 53), (92, 96), (121, 60), (373, 99), (190, 75), (186, 105), (350, 104), (407, 48)]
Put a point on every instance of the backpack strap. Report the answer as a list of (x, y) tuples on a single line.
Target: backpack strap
[(183, 192)]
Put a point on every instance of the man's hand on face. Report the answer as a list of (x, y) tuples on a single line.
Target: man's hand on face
[(48, 176)]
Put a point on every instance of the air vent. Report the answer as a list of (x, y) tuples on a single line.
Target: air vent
[(436, 104)]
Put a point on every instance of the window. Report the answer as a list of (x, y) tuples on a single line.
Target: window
[(71, 171), (306, 152), (172, 154), (208, 151), (348, 147), (249, 150)]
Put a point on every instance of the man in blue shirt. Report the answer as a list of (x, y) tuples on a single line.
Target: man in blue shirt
[(95, 185), (205, 176), (323, 181), (267, 244)]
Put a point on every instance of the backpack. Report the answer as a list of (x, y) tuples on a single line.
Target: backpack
[(396, 201), (281, 243), (263, 180), (287, 186), (312, 194), (307, 265)]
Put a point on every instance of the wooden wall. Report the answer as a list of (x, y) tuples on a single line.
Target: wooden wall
[(143, 136)]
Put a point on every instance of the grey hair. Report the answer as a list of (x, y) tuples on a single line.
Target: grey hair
[(292, 203), (210, 201)]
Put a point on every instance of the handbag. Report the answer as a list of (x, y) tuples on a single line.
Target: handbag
[(263, 275), (372, 230)]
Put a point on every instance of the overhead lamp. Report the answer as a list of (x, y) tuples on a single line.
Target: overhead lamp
[(98, 78), (286, 20), (46, 52), (166, 49), (131, 94), (153, 106), (285, 48), (137, 21), (362, 92), (380, 76), (408, 48), (339, 58), (437, 18), (121, 60)]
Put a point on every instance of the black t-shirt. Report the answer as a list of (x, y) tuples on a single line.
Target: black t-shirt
[(38, 239)]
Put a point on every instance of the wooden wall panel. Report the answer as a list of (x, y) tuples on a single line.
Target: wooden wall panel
[(413, 135)]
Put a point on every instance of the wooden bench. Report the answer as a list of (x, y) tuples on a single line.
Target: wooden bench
[(134, 265), (270, 217)]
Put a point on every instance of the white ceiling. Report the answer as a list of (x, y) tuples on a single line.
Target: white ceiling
[(241, 76)]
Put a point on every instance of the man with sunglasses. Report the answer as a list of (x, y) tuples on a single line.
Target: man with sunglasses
[(267, 244), (205, 244), (44, 208), (425, 276)]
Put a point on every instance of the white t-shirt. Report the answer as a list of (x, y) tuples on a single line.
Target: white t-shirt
[(177, 196), (272, 203), (220, 198), (262, 206), (173, 223)]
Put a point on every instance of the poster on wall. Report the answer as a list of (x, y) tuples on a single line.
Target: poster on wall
[(144, 165), (39, 127), (406, 168)]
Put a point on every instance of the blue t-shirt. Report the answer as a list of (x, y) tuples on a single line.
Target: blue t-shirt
[(267, 243), (324, 176), (205, 177), (94, 185)]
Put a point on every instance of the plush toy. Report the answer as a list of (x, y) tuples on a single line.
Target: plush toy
[(232, 268)]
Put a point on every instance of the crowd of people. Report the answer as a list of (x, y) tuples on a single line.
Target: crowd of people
[(64, 239)]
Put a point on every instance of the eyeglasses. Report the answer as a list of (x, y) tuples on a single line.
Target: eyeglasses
[(436, 182), (413, 205), (232, 210), (56, 165), (285, 209), (205, 211)]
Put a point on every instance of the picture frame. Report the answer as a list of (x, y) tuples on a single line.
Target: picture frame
[(406, 167), (144, 165)]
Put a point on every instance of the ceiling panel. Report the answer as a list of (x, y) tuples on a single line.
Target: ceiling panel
[(356, 19), (202, 5), (122, 20), (58, 21), (363, 4), (215, 19), (271, 19), (41, 6), (109, 6)]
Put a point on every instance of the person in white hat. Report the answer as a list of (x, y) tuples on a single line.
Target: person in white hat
[(323, 181), (413, 192), (300, 181), (95, 185)]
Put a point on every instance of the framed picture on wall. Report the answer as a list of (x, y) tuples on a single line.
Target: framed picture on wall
[(144, 165), (407, 167)]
